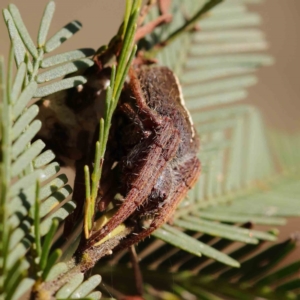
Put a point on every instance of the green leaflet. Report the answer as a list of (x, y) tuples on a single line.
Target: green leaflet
[(24, 163), (66, 57), (62, 35), (176, 238), (63, 70), (45, 23), (59, 85)]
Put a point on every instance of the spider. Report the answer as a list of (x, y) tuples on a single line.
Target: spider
[(154, 146)]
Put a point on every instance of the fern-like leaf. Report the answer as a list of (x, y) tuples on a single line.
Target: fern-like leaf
[(30, 211)]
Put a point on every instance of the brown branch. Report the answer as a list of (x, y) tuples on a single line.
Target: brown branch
[(80, 264), (149, 27)]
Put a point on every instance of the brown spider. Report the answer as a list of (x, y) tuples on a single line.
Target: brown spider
[(154, 144)]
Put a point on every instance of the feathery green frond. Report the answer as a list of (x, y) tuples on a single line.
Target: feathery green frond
[(27, 214), (34, 59), (19, 200)]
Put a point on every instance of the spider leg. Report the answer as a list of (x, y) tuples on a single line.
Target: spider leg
[(133, 116), (142, 178), (170, 204), (139, 113)]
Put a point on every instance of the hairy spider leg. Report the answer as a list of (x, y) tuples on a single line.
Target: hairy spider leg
[(105, 196), (170, 204), (142, 181)]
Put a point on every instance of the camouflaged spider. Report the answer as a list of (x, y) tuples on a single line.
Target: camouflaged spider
[(154, 143)]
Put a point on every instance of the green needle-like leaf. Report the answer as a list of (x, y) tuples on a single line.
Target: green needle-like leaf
[(70, 287), (187, 243), (47, 244), (23, 287), (55, 200), (19, 80), (61, 36), (64, 70), (60, 214), (66, 57), (86, 287), (229, 229), (19, 48), (25, 158), (55, 255), (36, 222), (57, 270), (54, 184), (44, 159), (126, 71), (22, 30), (24, 99), (19, 233), (48, 172), (45, 23), (95, 295), (240, 218), (21, 143), (215, 231), (19, 251), (25, 182), (14, 284), (59, 86)]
